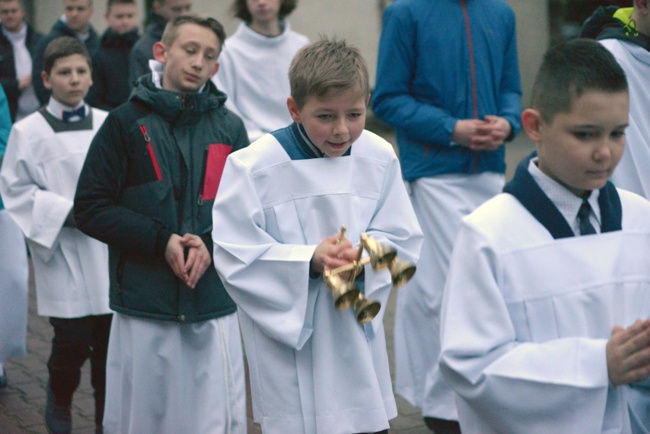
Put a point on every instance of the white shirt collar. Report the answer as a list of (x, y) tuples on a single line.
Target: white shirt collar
[(16, 36), (566, 202), (56, 109)]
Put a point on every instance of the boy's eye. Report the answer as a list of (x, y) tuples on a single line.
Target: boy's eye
[(618, 134), (584, 135), (325, 117), (354, 115)]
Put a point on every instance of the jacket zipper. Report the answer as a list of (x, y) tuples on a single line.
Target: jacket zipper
[(472, 68), (152, 154), (202, 178)]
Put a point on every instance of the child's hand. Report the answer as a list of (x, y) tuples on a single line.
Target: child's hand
[(333, 252), (628, 353)]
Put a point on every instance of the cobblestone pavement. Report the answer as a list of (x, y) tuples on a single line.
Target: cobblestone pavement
[(22, 403)]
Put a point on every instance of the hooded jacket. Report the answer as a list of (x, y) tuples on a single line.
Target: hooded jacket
[(111, 70), (153, 170)]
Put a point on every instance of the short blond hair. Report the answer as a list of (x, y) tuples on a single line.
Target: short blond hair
[(327, 66)]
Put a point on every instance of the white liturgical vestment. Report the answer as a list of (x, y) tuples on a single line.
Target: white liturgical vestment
[(38, 183), (313, 368), (526, 318)]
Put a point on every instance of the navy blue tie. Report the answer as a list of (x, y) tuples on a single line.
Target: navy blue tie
[(586, 228), (69, 114)]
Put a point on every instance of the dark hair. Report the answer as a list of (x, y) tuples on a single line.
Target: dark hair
[(240, 9), (111, 3), (327, 66), (171, 29), (569, 70), (60, 47)]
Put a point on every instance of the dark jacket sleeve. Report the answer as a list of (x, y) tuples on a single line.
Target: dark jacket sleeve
[(138, 64), (42, 93), (97, 93), (102, 180)]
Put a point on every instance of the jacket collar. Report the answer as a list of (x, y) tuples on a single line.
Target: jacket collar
[(612, 22), (173, 106)]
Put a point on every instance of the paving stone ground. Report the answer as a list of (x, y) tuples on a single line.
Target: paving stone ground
[(22, 403)]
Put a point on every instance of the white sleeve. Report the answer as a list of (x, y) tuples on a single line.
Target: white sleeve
[(513, 386), (39, 213), (268, 280)]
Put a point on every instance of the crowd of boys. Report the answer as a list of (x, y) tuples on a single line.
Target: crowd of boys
[(156, 231)]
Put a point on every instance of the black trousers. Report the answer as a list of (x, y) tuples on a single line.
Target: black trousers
[(442, 426), (76, 340)]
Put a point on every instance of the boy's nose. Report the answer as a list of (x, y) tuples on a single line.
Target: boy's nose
[(603, 151), (340, 127)]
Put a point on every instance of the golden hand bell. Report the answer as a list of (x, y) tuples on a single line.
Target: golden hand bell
[(380, 257), (344, 293)]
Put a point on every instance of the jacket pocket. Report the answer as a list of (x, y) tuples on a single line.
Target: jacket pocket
[(215, 160)]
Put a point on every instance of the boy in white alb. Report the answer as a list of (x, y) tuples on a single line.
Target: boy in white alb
[(255, 62), (276, 221), (45, 153), (545, 314)]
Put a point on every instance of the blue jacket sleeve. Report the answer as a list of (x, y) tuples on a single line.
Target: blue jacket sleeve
[(510, 86), (392, 101)]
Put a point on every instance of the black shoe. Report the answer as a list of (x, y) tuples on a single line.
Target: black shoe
[(58, 419)]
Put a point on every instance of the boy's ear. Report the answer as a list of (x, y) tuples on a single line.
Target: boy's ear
[(159, 52), (46, 80), (293, 109), (215, 69), (531, 121)]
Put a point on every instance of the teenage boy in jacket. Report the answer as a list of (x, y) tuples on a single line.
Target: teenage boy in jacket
[(18, 41), (453, 105), (625, 32), (75, 22), (175, 361)]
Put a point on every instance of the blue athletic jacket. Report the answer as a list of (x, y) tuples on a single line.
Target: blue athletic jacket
[(441, 61)]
